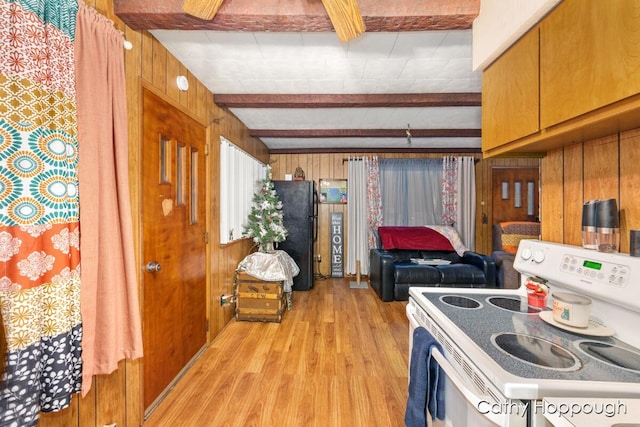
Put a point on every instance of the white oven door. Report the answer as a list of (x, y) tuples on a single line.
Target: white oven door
[(464, 404)]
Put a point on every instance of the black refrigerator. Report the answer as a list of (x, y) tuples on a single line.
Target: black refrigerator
[(300, 210)]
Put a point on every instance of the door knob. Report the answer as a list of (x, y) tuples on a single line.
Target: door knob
[(153, 267)]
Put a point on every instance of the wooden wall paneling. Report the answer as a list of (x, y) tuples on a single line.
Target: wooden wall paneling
[(216, 314), (111, 404), (276, 168), (483, 208), (573, 186), (551, 199), (146, 56), (133, 393), (190, 99), (159, 67), (601, 180), (174, 68), (629, 186), (65, 418), (133, 71), (88, 407), (315, 168), (294, 162), (210, 158), (323, 244), (341, 171)]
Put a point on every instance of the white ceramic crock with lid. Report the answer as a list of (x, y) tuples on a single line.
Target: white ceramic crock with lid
[(571, 309)]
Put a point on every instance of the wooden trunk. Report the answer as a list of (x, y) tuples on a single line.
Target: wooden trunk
[(258, 300)]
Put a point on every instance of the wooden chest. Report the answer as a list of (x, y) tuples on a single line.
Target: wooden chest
[(258, 300)]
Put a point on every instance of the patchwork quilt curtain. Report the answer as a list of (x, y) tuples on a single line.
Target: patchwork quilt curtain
[(39, 226)]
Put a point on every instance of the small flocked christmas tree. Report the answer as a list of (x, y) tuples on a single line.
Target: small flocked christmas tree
[(265, 224)]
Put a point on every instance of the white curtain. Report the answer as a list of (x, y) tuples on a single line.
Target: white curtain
[(411, 191), (357, 213), (466, 213)]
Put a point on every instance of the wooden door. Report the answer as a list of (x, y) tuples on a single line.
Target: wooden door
[(174, 322), (515, 194)]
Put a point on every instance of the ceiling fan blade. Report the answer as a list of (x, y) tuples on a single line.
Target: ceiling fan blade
[(346, 18), (203, 9)]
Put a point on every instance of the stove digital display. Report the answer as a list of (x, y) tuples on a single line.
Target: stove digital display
[(592, 264)]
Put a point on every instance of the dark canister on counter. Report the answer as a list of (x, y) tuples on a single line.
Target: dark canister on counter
[(607, 226), (589, 232)]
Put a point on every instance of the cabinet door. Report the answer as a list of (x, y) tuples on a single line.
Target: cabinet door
[(589, 57), (510, 97)]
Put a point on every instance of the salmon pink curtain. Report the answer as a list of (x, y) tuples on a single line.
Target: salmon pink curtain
[(39, 220), (110, 306)]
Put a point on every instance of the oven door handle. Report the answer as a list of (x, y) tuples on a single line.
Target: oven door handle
[(482, 405)]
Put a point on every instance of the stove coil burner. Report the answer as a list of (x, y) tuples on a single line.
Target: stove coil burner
[(512, 304), (460, 301), (536, 351), (612, 355)]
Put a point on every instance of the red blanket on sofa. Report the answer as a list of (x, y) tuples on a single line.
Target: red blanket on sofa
[(413, 237)]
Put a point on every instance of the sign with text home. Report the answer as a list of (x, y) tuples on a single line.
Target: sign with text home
[(336, 244)]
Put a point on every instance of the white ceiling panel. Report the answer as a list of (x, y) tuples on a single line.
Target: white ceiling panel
[(290, 63), (360, 118), (368, 143)]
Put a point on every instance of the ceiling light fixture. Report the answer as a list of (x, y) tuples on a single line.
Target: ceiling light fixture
[(182, 82), (408, 134)]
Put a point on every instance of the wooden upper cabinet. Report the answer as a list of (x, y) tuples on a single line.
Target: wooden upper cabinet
[(510, 94), (589, 57)]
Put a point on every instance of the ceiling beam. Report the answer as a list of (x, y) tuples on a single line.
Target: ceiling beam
[(365, 133), (348, 100), (278, 15), (376, 150)]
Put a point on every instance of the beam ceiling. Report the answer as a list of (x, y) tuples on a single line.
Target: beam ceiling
[(302, 15), (359, 66)]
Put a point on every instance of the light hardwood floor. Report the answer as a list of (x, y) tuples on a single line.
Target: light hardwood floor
[(339, 358)]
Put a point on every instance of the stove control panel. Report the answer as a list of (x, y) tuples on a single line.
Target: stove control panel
[(596, 271), (608, 276)]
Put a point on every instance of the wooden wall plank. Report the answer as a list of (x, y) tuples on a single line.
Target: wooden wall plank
[(146, 56), (601, 168), (629, 186), (609, 170), (111, 405), (552, 200), (174, 69), (573, 186), (159, 67)]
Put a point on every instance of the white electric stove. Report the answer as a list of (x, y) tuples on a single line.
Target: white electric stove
[(502, 358)]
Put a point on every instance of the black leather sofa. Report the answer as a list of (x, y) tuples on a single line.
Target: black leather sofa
[(392, 271)]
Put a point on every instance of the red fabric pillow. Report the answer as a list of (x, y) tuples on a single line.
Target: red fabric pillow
[(413, 237)]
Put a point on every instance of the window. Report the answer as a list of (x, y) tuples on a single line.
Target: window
[(411, 191), (240, 176)]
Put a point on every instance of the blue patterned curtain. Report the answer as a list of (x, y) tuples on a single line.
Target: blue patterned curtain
[(39, 225)]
